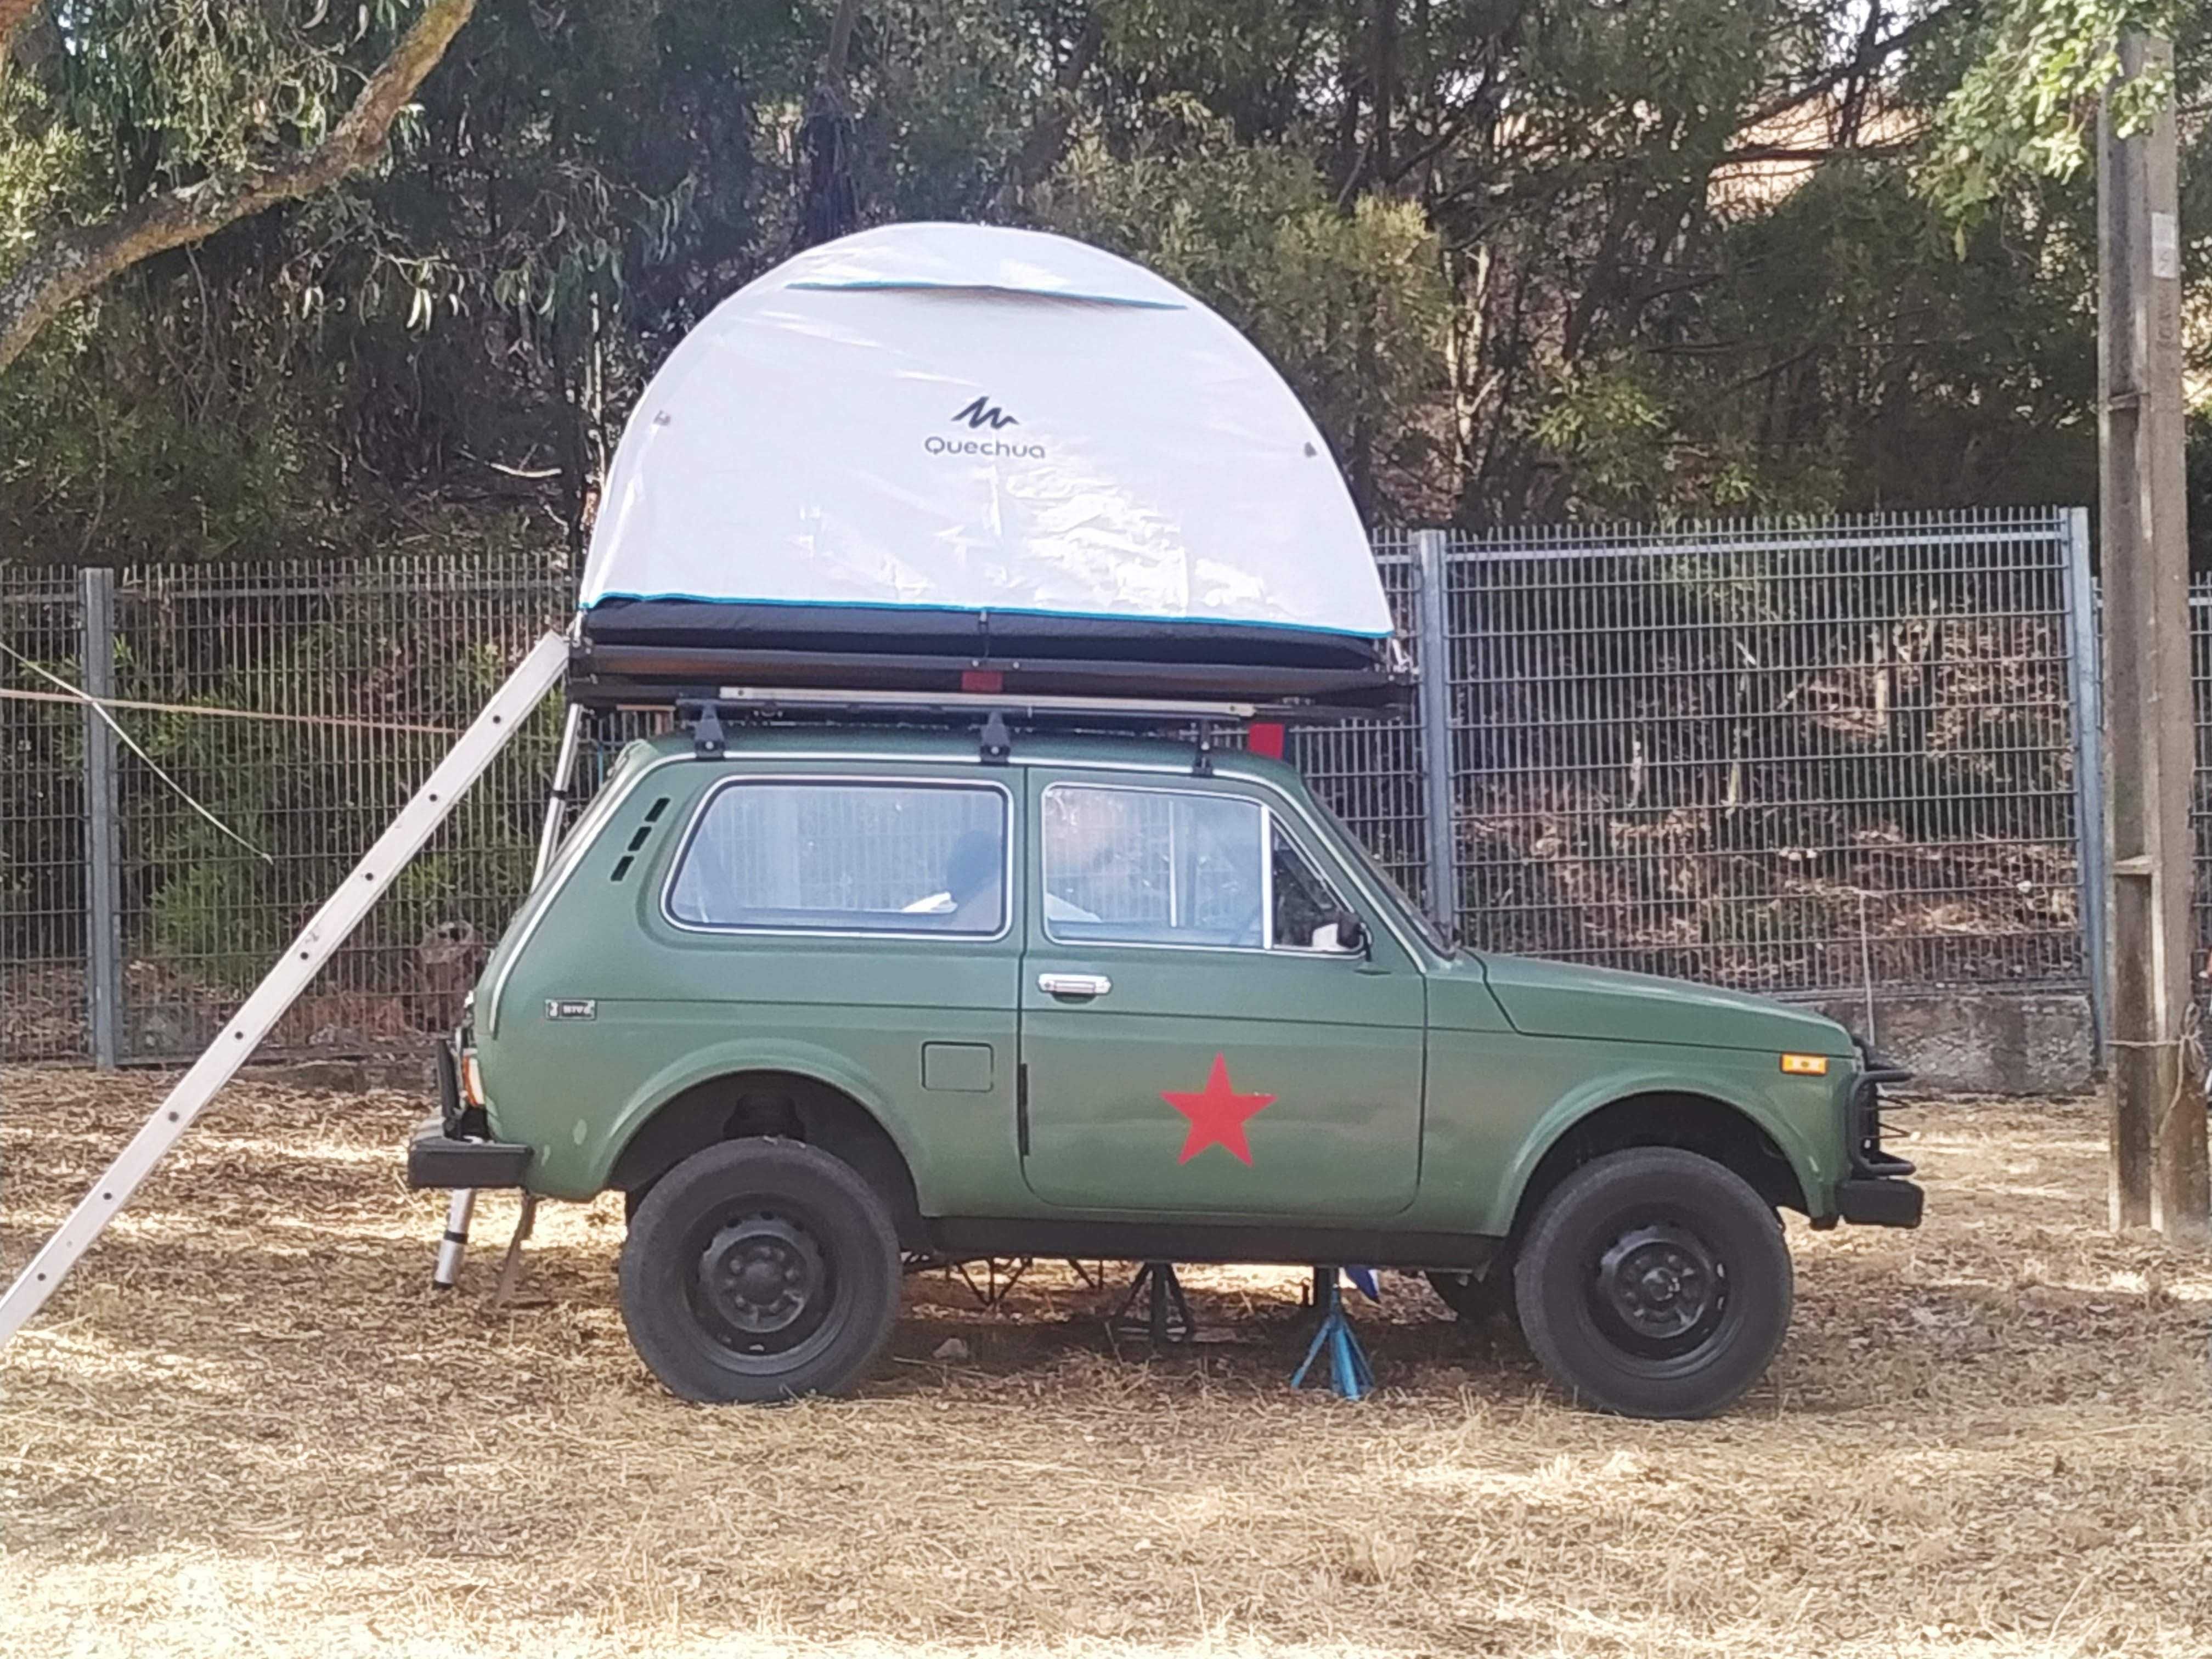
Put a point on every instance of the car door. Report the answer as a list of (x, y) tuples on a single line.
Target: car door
[(1196, 1039)]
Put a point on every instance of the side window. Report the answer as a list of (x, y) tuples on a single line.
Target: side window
[(1152, 866), (837, 857), (1307, 912)]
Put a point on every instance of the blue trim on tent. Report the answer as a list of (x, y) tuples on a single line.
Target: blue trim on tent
[(1005, 611), (890, 287)]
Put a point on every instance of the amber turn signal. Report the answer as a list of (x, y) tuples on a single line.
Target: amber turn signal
[(1806, 1065), (473, 1080)]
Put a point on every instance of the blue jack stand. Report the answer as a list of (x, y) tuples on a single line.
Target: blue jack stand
[(1348, 1372)]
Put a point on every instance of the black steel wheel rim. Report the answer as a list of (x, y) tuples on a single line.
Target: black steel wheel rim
[(762, 1289), (1658, 1292)]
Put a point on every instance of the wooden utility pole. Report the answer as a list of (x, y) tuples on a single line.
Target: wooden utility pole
[(2158, 1109)]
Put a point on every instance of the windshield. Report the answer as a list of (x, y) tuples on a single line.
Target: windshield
[(1438, 940)]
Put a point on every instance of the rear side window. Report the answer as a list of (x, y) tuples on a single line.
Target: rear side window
[(831, 856), (1152, 866)]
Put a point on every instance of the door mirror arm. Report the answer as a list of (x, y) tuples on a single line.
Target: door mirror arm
[(1351, 934)]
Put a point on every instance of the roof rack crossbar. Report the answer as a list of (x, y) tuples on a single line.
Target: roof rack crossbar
[(818, 698)]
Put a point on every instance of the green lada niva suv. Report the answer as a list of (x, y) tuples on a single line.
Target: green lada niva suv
[(821, 1001)]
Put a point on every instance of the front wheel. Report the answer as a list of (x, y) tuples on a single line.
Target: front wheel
[(1655, 1283), (757, 1270)]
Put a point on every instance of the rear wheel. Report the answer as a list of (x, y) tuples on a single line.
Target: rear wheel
[(1655, 1283), (757, 1270)]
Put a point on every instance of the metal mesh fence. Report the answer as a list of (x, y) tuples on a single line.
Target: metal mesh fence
[(374, 665), (1797, 758), (1369, 771), (1794, 758), (42, 821)]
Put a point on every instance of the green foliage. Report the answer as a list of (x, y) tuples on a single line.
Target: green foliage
[(1850, 355), (46, 167), (2025, 106), (1351, 307), (1607, 421), (1522, 262), (177, 89)]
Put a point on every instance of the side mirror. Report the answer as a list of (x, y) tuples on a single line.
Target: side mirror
[(1351, 932)]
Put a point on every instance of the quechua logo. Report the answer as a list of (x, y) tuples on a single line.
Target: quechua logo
[(983, 413)]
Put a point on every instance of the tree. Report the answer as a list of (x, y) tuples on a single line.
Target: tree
[(67, 261)]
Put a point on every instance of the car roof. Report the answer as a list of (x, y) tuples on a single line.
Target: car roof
[(953, 746)]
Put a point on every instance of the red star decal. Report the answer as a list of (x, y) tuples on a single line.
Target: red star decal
[(1217, 1114)]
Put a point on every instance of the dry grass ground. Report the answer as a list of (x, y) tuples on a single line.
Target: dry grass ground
[(246, 1426)]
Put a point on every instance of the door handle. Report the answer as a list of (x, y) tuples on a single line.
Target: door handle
[(1074, 985)]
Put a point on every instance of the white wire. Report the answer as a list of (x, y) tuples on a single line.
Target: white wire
[(78, 695), (17, 694)]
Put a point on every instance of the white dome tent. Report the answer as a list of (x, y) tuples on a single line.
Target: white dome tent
[(932, 447)]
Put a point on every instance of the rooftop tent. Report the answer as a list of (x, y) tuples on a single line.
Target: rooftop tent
[(930, 448)]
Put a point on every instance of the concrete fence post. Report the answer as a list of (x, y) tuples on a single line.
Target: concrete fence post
[(103, 845), (1432, 644)]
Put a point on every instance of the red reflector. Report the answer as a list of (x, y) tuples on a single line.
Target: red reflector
[(981, 679), (1264, 738)]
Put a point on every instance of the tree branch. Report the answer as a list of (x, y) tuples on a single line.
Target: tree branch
[(1046, 141), (1868, 56), (841, 45), (829, 200), (1752, 153), (70, 264)]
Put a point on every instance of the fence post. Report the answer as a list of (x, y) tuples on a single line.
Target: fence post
[(2085, 676), (103, 852), (1432, 636)]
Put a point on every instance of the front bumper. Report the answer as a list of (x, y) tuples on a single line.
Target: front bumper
[(1884, 1201), (1876, 1193), (436, 1158), (455, 1148)]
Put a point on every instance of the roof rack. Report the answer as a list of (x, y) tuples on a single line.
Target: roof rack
[(708, 711), (993, 715)]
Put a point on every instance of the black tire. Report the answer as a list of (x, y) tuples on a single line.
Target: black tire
[(757, 1270), (1655, 1283), (1475, 1296)]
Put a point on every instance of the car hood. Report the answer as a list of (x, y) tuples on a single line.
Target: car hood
[(1567, 999)]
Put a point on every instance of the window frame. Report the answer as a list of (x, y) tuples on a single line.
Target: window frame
[(715, 792), (1269, 819)]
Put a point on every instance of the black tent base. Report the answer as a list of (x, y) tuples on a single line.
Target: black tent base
[(603, 674), (648, 651)]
